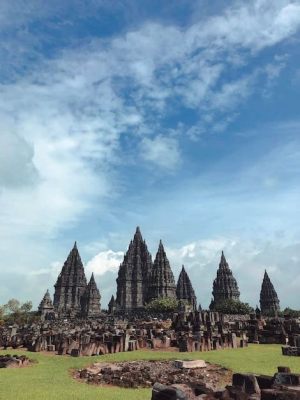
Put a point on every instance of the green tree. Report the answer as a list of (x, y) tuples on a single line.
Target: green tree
[(230, 306), (16, 312), (13, 306), (290, 313), (163, 304)]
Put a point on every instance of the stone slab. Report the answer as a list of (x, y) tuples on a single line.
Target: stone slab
[(190, 364)]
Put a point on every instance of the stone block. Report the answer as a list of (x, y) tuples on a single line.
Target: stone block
[(189, 364), (163, 392), (75, 352), (246, 382), (284, 369)]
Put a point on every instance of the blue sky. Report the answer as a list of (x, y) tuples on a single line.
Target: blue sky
[(180, 117)]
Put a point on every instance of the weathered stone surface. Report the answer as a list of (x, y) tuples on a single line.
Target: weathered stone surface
[(185, 291), (269, 302), (70, 286), (225, 285), (133, 275), (162, 283)]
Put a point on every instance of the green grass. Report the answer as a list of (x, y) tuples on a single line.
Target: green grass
[(50, 378)]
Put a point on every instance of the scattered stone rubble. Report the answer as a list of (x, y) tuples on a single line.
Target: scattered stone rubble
[(14, 361), (194, 331), (284, 385), (137, 374), (186, 332)]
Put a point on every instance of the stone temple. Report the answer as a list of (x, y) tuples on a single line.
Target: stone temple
[(184, 289), (139, 282), (134, 274), (269, 302), (73, 297), (162, 282), (225, 285)]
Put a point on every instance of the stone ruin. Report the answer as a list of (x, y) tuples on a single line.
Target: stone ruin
[(144, 374), (187, 332), (284, 385), (14, 361)]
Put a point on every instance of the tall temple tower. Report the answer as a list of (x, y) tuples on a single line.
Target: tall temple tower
[(185, 291), (70, 286), (133, 275), (90, 301), (269, 302), (162, 283), (225, 285)]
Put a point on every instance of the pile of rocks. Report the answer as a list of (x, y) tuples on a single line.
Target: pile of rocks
[(13, 361), (145, 373), (284, 385)]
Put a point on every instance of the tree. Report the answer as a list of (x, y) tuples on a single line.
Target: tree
[(13, 305), (289, 312), (230, 306), (26, 307), (163, 304), (16, 312)]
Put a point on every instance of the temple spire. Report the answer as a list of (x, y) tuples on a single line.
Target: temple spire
[(70, 286), (225, 285), (162, 283), (133, 275), (90, 301), (184, 289), (269, 302)]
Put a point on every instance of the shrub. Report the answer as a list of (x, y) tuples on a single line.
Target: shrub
[(163, 304), (230, 306)]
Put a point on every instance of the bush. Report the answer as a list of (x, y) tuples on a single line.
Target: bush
[(230, 306), (163, 304)]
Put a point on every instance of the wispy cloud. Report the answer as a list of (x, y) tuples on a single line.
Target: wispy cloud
[(161, 151)]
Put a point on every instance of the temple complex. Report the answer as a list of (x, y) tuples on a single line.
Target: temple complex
[(225, 285), (162, 282), (139, 282), (185, 291), (73, 297), (133, 276), (269, 302)]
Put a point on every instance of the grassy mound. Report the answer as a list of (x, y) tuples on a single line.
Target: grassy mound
[(50, 378)]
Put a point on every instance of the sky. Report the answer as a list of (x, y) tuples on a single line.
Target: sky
[(181, 117)]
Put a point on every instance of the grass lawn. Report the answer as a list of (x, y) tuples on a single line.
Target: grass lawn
[(50, 378)]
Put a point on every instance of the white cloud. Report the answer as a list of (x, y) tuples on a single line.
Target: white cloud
[(104, 261), (161, 151)]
